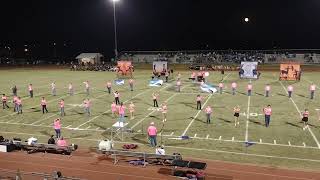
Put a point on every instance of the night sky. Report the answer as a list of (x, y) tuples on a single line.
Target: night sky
[(87, 25)]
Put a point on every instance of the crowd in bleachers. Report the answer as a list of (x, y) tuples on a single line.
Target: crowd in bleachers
[(92, 67)]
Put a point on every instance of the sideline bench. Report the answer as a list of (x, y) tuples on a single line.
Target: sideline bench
[(141, 155), (50, 148)]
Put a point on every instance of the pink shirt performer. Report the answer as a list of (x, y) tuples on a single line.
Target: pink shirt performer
[(61, 103), (113, 108), (86, 83), (116, 97), (155, 97), (221, 87), (267, 115), (109, 87), (267, 90), (44, 105), (312, 90), (30, 89), (121, 111), (53, 89), (208, 111), (249, 88), (71, 90), (152, 133), (4, 101), (131, 84), (199, 99), (164, 109), (87, 105), (234, 87), (178, 85), (19, 105), (57, 127), (290, 90), (61, 142), (131, 110), (14, 101)]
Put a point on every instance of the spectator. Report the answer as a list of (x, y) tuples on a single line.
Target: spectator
[(160, 150), (62, 142), (57, 127), (152, 133), (51, 140)]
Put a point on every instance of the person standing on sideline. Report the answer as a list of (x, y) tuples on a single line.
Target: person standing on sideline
[(44, 105), (305, 118), (236, 111), (4, 101), (208, 111), (61, 103), (164, 109), (30, 90), (14, 90), (234, 88), (109, 87), (267, 90), (53, 89), (87, 105), (221, 87), (19, 105), (152, 133), (155, 97), (131, 110), (71, 90), (14, 101), (116, 97), (131, 84), (86, 83), (57, 127), (312, 89), (51, 140), (199, 99), (249, 88), (113, 109), (121, 111), (178, 85), (167, 76), (267, 115), (290, 90)]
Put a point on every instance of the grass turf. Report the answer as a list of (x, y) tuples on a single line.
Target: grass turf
[(284, 143)]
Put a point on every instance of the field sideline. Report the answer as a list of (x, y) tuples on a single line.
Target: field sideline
[(283, 144)]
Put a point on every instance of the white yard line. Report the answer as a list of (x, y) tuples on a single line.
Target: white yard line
[(93, 99), (170, 136), (298, 110), (193, 119), (187, 148), (137, 123), (247, 122), (92, 119), (61, 97), (311, 82)]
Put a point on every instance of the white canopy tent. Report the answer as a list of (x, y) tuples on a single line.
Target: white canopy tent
[(93, 58)]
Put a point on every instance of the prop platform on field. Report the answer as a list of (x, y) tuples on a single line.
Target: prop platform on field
[(290, 71), (248, 70), (118, 129)]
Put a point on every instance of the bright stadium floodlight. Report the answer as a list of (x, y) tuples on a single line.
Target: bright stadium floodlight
[(246, 19), (115, 29)]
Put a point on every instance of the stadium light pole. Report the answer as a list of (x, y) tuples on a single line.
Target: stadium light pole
[(115, 29)]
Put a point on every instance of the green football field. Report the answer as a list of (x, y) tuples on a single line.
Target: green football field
[(283, 144)]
